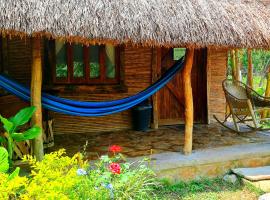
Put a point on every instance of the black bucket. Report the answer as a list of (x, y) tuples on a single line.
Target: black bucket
[(141, 115)]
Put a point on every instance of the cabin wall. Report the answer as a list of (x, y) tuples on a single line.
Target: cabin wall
[(17, 58), (136, 69), (16, 61), (137, 73), (216, 73), (136, 66)]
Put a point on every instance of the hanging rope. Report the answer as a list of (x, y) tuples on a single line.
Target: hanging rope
[(80, 108)]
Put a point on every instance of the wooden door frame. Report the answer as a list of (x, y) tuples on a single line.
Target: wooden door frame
[(156, 73)]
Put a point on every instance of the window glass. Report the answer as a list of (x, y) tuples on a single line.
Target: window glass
[(78, 65), (178, 53), (110, 61), (94, 61), (61, 60)]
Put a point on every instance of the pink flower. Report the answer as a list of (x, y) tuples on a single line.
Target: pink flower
[(115, 148), (115, 168)]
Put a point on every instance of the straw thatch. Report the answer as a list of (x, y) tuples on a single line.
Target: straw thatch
[(229, 23)]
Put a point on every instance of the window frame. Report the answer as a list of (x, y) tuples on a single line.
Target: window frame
[(86, 80)]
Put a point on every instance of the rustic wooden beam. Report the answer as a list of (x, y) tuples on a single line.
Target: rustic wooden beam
[(237, 66), (156, 62), (187, 88), (267, 93), (176, 93), (36, 84), (250, 69), (233, 59)]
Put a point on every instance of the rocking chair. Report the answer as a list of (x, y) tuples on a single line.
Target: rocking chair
[(245, 105)]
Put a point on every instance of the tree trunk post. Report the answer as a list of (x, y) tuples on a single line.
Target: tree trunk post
[(267, 94), (237, 65), (233, 58), (186, 74), (36, 84), (250, 69), (156, 59)]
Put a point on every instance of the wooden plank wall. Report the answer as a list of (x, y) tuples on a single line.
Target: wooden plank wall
[(137, 72), (172, 95), (216, 73), (136, 65), (16, 61), (19, 59)]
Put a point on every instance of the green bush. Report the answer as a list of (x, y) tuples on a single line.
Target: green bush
[(61, 177), (4, 165), (11, 127)]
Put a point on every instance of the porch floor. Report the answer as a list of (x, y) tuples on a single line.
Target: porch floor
[(165, 139)]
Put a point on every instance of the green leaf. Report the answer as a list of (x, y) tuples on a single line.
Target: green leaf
[(14, 174), (23, 116), (8, 126), (4, 165), (2, 139), (27, 135), (18, 137)]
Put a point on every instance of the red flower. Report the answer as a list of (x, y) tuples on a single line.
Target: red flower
[(115, 148), (115, 168)]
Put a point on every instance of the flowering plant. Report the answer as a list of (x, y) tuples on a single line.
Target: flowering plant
[(115, 149), (61, 177), (115, 168)]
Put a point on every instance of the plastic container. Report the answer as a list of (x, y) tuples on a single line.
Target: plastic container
[(141, 115)]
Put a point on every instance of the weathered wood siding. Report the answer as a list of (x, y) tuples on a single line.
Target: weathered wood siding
[(136, 65), (172, 95), (216, 73), (137, 72), (18, 59)]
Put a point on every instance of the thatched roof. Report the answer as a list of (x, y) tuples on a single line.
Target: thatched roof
[(229, 23)]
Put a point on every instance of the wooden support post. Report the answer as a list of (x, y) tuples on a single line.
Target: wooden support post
[(267, 94), (250, 69), (237, 66), (233, 58), (36, 84), (156, 58), (187, 88)]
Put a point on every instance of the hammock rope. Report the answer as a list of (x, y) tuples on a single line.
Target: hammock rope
[(80, 108)]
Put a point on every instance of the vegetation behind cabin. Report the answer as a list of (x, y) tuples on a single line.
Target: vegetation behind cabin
[(261, 67)]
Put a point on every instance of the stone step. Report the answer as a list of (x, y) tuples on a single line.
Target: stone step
[(208, 162), (259, 177), (253, 174)]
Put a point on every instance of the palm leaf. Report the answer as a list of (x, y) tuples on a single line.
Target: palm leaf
[(8, 126), (4, 166), (23, 116), (27, 135)]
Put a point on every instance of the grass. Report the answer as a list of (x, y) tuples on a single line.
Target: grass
[(207, 189)]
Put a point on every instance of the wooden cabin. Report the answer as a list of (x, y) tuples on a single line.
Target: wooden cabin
[(83, 59), (135, 69)]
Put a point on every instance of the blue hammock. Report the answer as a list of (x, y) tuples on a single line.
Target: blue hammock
[(79, 108)]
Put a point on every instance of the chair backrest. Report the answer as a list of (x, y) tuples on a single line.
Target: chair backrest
[(235, 89)]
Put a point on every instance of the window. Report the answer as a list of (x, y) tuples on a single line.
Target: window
[(77, 64)]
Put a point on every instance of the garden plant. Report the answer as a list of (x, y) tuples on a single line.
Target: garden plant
[(62, 177), (12, 132)]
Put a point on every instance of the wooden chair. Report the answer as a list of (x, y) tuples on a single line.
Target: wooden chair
[(245, 106)]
